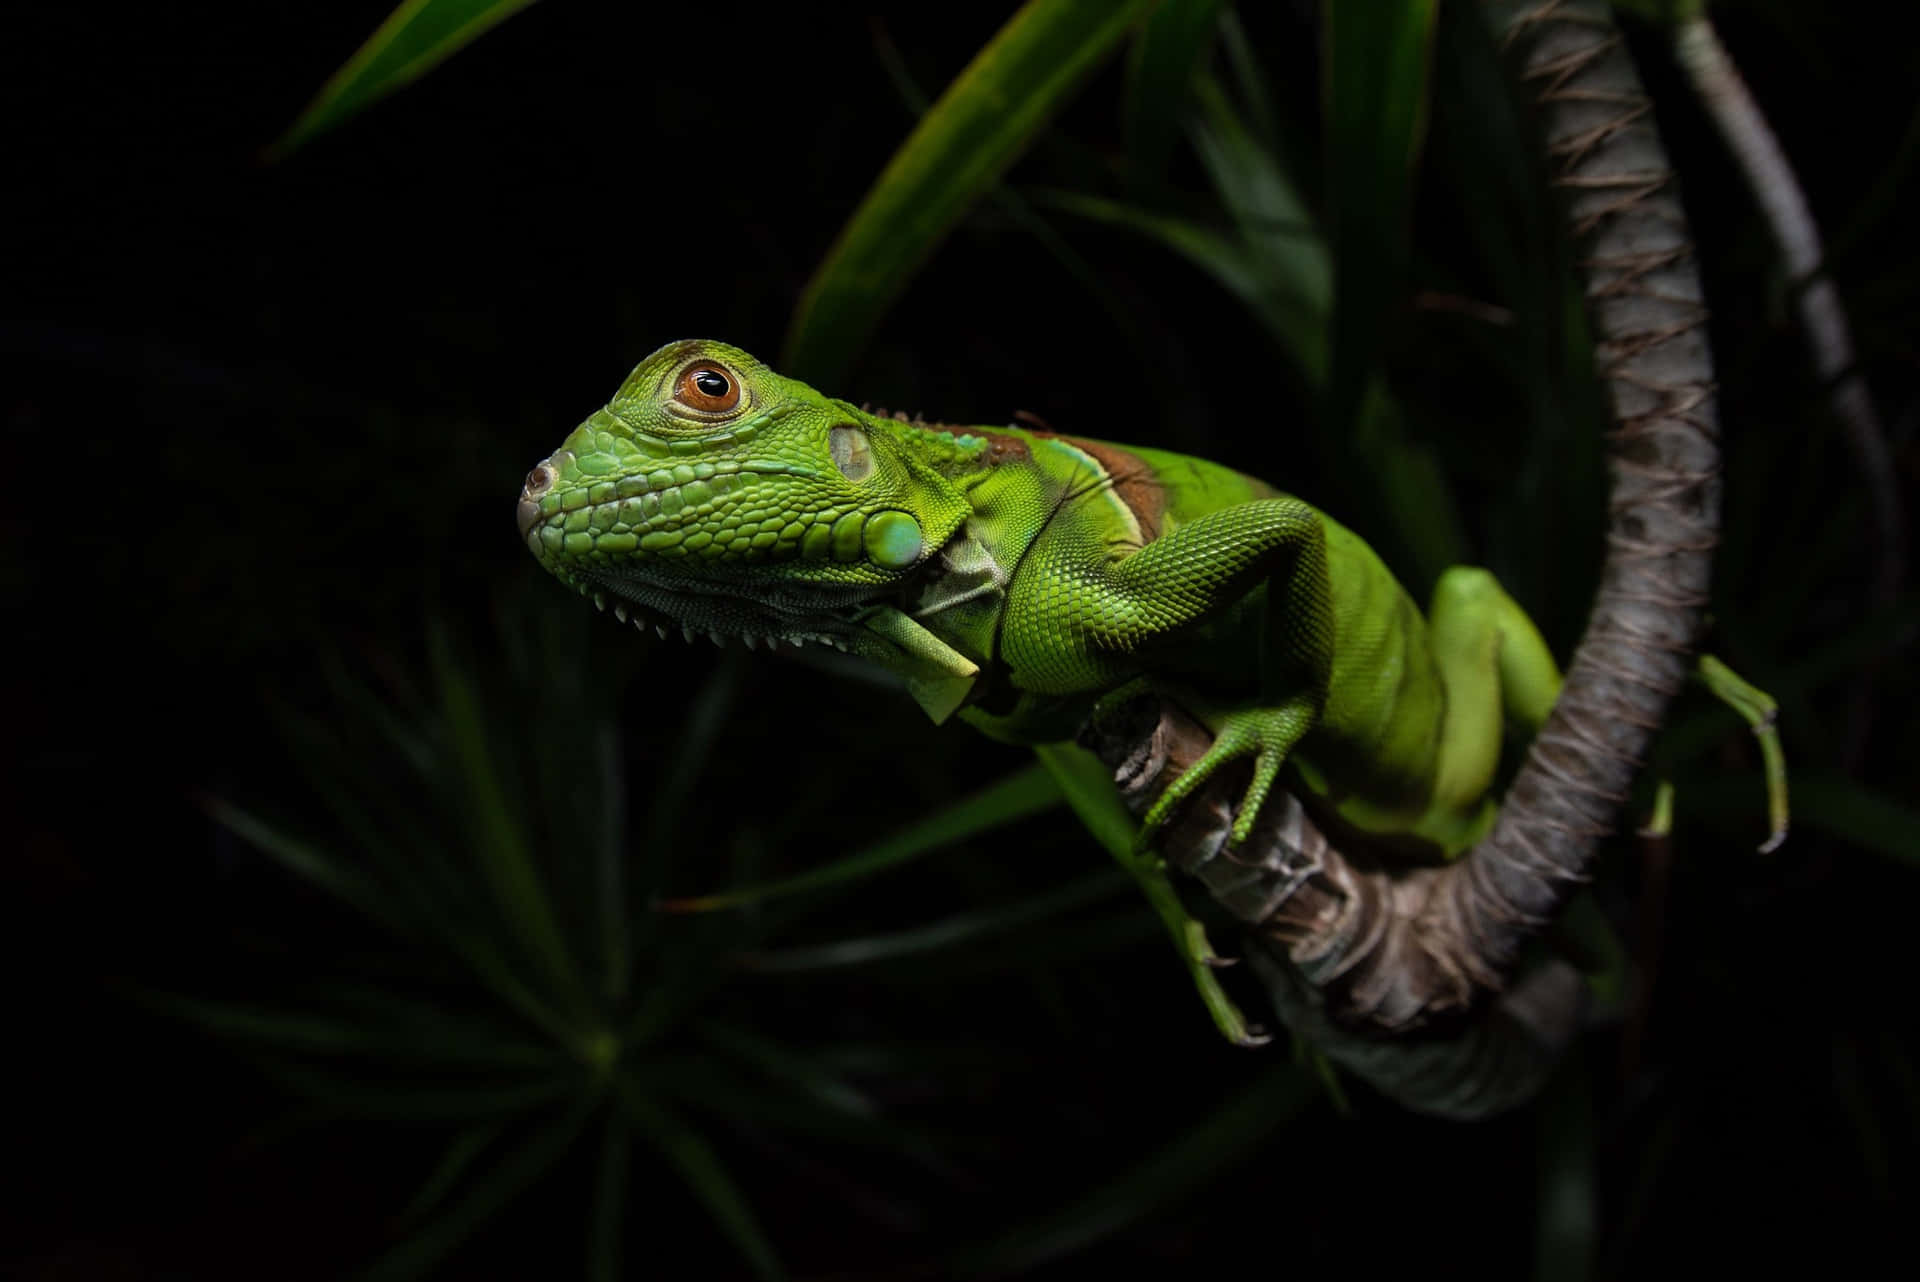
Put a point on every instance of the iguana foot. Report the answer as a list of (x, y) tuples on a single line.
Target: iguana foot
[(1265, 734), (1761, 714)]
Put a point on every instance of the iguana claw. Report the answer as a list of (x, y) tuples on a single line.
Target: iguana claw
[(1266, 734)]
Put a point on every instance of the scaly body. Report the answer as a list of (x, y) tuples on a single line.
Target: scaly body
[(1018, 577)]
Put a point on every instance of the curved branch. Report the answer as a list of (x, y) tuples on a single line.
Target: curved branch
[(1404, 975), (1823, 319)]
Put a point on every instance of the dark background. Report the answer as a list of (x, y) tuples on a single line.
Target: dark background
[(258, 412)]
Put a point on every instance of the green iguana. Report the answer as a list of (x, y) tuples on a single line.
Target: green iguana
[(1019, 577)]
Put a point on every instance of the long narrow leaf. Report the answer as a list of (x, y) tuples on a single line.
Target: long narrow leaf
[(359, 1097), (306, 862), (431, 1036), (947, 932), (1026, 792), (416, 37), (415, 1255), (688, 1152), (1567, 1206), (606, 1232), (1160, 70), (1198, 1156), (1275, 221), (1376, 59), (1837, 805), (1088, 787), (498, 839), (978, 128), (1293, 321), (452, 1167)]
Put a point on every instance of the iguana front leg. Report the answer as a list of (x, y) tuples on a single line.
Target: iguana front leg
[(1089, 614)]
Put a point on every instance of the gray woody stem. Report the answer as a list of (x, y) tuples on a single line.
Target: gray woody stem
[(1822, 319), (1403, 975)]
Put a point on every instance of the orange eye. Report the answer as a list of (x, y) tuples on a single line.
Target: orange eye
[(707, 388)]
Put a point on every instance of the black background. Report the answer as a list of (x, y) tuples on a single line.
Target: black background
[(255, 409)]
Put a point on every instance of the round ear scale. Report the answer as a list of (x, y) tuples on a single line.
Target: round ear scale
[(707, 387)]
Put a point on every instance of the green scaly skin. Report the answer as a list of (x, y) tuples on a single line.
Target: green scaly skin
[(1020, 577)]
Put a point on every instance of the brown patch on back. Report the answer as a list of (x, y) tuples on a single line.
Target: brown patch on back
[(1133, 481)]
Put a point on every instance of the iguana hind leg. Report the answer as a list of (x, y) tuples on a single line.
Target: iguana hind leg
[(1496, 668)]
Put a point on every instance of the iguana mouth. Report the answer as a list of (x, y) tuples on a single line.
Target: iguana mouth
[(724, 611)]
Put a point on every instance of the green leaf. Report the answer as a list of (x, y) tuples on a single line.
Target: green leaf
[(606, 1232), (688, 1152), (1160, 70), (976, 130), (1088, 786), (499, 842), (1568, 1206), (1840, 807), (432, 1034), (1286, 249), (1023, 793), (1375, 65), (947, 932), (784, 1064), (1290, 319), (1199, 1156), (416, 1255), (447, 1173), (306, 863), (415, 38), (358, 1096)]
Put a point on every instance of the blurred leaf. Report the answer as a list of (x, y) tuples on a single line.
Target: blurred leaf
[(536, 1153), (1844, 808), (785, 1064), (1232, 265), (305, 862), (1373, 459), (947, 932), (415, 38), (690, 1154), (405, 856), (1401, 479), (699, 730), (433, 1034), (1249, 80), (979, 126), (360, 1096), (717, 1089), (1374, 82), (1198, 1156), (1166, 53), (498, 841), (1021, 794), (606, 1231), (452, 1167), (1288, 253), (1568, 1208), (1109, 305)]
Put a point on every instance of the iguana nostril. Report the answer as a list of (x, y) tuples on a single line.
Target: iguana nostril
[(539, 481)]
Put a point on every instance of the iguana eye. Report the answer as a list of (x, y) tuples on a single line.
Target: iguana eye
[(707, 388)]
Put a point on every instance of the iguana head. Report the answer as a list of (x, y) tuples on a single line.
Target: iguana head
[(715, 496)]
